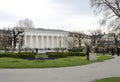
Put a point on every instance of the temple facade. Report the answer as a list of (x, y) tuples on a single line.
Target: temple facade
[(45, 38)]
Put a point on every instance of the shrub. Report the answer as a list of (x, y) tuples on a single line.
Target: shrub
[(75, 53), (24, 55), (18, 55), (3, 54), (56, 54), (64, 54), (75, 50), (57, 49)]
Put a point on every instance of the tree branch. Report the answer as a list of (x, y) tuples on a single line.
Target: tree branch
[(115, 11)]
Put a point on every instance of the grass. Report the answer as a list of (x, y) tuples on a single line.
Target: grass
[(112, 79), (61, 62)]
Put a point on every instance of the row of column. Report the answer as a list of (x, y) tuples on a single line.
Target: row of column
[(44, 41)]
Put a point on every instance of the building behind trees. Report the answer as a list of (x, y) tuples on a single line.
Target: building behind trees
[(5, 39)]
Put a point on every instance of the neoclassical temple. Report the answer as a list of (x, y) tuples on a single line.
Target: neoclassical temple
[(45, 38)]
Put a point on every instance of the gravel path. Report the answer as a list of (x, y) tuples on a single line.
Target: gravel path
[(85, 73)]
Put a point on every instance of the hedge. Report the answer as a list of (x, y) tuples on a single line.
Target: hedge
[(75, 50), (18, 55), (64, 54)]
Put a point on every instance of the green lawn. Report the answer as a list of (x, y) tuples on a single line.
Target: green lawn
[(112, 79), (61, 62)]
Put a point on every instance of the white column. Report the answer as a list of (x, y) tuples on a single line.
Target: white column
[(42, 41), (52, 37), (30, 41), (25, 41), (62, 42), (47, 38), (39, 42), (66, 43), (57, 42), (37, 45)]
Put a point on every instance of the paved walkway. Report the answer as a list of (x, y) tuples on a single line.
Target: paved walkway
[(86, 73)]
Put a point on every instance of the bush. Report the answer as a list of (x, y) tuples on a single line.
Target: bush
[(75, 50), (75, 53), (64, 54), (18, 55), (56, 54), (3, 54), (24, 55)]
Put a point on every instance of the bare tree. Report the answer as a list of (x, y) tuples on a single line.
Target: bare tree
[(17, 37), (110, 10), (18, 31), (71, 41), (25, 23), (86, 41), (93, 38), (96, 36), (76, 38), (80, 36), (5, 39), (116, 37)]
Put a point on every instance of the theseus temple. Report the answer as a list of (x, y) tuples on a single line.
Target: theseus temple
[(45, 38)]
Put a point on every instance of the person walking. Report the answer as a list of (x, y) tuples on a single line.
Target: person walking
[(87, 53), (112, 51), (118, 51)]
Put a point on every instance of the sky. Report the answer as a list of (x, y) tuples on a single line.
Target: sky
[(69, 15)]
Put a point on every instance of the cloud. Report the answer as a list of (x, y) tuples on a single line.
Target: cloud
[(25, 7), (8, 19), (74, 6), (70, 14), (5, 16)]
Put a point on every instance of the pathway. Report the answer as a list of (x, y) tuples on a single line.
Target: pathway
[(85, 73)]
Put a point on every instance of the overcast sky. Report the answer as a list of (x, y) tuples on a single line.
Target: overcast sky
[(72, 15)]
